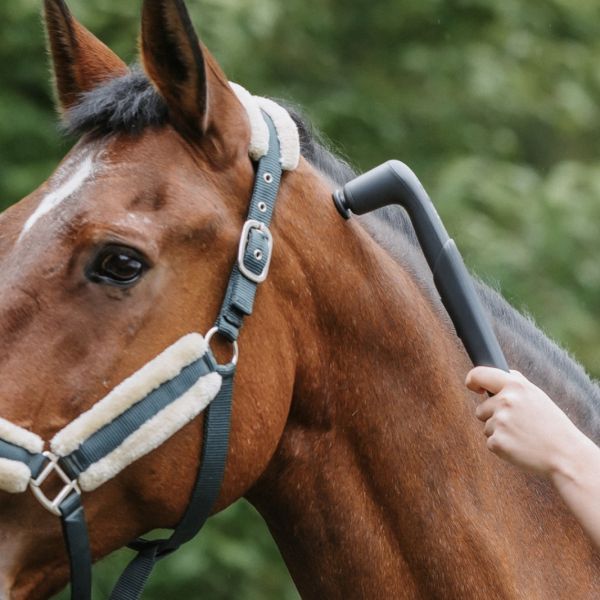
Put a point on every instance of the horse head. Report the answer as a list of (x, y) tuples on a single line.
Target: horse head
[(125, 249)]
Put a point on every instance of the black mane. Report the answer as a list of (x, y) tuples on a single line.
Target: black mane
[(127, 104), (130, 104)]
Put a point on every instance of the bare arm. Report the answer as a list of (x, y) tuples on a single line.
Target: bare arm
[(525, 427)]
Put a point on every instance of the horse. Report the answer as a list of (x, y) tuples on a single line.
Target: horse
[(352, 431)]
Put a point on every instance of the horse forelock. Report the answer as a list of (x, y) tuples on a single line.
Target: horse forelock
[(126, 104)]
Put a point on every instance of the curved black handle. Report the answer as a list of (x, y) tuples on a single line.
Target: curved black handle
[(395, 183)]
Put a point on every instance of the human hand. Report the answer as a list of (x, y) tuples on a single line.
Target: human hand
[(522, 424)]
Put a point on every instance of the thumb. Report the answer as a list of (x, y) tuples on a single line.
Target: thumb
[(486, 379)]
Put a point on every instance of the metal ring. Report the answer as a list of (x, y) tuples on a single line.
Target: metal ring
[(258, 254), (262, 207), (268, 177), (236, 349)]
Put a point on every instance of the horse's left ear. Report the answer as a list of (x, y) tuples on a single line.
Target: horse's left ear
[(197, 92)]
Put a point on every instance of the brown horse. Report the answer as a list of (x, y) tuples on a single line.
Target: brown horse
[(352, 431)]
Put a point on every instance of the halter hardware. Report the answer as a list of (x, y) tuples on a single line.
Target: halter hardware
[(236, 349), (70, 486), (264, 259)]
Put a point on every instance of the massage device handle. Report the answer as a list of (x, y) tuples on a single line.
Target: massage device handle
[(395, 183)]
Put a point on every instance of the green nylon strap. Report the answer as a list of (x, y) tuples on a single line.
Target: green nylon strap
[(78, 547), (72, 520), (241, 291), (35, 462), (238, 303), (108, 438), (215, 445)]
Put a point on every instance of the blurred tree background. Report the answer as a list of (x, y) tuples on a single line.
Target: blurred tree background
[(494, 103)]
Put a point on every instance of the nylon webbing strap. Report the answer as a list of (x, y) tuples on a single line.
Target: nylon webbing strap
[(72, 520), (78, 547), (35, 462), (256, 245), (215, 445), (136, 575), (112, 435), (214, 459), (251, 268)]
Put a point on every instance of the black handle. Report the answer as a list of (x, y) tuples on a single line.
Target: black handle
[(459, 296), (395, 183)]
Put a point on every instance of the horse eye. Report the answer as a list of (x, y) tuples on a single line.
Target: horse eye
[(117, 265)]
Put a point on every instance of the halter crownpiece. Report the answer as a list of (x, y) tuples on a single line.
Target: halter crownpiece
[(287, 131), (168, 392)]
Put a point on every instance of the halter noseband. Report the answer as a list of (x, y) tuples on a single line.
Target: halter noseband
[(172, 389)]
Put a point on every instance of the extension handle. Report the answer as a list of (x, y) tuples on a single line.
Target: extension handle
[(395, 183)]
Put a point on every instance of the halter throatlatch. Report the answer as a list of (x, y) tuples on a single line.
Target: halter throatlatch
[(154, 403)]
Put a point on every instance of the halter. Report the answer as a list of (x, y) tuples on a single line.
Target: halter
[(153, 404)]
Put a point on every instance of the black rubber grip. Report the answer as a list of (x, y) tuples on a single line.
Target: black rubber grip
[(395, 183), (459, 296)]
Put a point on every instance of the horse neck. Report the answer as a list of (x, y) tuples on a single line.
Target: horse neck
[(381, 478)]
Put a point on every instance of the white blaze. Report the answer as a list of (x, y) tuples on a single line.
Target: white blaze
[(64, 191)]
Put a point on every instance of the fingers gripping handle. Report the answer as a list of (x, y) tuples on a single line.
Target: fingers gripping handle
[(395, 183)]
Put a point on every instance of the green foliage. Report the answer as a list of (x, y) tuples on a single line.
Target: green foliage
[(494, 104)]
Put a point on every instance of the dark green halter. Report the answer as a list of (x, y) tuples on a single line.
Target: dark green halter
[(251, 268)]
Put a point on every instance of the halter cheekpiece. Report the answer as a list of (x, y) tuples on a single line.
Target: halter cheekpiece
[(168, 392)]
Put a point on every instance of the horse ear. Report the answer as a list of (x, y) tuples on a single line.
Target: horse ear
[(81, 61), (185, 73)]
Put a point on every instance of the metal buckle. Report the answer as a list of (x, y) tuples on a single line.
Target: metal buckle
[(244, 240), (69, 487)]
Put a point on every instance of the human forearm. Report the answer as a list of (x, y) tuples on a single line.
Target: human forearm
[(525, 427), (576, 477)]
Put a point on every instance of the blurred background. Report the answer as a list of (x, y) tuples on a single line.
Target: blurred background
[(494, 103)]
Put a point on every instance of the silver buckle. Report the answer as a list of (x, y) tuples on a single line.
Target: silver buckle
[(69, 487), (248, 227)]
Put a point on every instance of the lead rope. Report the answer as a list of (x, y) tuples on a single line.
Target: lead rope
[(252, 268)]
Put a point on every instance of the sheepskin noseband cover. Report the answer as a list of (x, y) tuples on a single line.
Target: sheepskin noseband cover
[(17, 446), (136, 417)]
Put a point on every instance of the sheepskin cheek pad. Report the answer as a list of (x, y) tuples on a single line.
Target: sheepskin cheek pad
[(159, 427), (14, 474)]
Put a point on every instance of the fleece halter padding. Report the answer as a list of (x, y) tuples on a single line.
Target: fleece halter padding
[(287, 131), (180, 363), (17, 443), (172, 389)]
